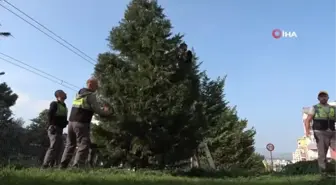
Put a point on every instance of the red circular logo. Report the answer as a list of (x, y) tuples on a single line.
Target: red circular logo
[(277, 33)]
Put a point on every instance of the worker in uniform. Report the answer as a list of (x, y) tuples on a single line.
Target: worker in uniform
[(83, 107), (57, 119), (323, 116), (184, 53)]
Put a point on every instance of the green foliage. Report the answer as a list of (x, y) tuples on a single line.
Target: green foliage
[(37, 130), (153, 94), (123, 177), (37, 140), (307, 167), (222, 173), (163, 106), (230, 142), (7, 100), (10, 129)]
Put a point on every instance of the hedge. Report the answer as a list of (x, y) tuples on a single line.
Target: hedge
[(307, 167)]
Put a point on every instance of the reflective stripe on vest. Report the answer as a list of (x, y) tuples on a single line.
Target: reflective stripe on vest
[(61, 110), (322, 114), (81, 102)]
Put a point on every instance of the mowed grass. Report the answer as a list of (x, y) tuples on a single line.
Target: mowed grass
[(109, 177)]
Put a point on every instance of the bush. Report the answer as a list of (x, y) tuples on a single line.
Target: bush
[(307, 167), (207, 173)]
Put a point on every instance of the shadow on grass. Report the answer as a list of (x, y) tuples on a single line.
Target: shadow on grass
[(11, 179)]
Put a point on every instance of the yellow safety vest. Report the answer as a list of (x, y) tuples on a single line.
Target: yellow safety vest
[(322, 114), (80, 102)]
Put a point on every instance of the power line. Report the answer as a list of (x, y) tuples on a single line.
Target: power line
[(60, 82), (31, 18), (55, 81), (47, 34), (52, 76)]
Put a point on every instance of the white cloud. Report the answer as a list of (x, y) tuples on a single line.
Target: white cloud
[(28, 107)]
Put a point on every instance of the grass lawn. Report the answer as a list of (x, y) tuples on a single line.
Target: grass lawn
[(108, 177)]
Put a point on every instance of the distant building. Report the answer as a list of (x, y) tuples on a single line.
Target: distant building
[(306, 150), (306, 147), (278, 164)]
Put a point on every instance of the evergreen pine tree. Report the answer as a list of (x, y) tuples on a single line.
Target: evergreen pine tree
[(230, 142), (152, 86), (10, 128), (37, 141)]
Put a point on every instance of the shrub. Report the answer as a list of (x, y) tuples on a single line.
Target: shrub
[(306, 167), (208, 173)]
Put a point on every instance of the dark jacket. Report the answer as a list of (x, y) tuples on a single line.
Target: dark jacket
[(53, 118), (85, 115)]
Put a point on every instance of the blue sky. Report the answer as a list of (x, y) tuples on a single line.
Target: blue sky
[(268, 80)]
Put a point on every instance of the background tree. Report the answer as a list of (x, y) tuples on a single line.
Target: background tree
[(9, 127), (153, 91), (230, 142), (37, 140)]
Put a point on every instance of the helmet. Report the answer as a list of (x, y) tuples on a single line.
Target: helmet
[(323, 93)]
